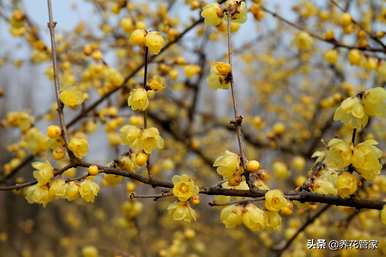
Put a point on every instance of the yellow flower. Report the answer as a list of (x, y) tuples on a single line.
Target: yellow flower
[(156, 83), (127, 163), (184, 187), (88, 190), (228, 164), (326, 183), (154, 41), (346, 184), (191, 70), (181, 211), (78, 146), (275, 200), (354, 57), (37, 194), (93, 170), (131, 135), (138, 99), (212, 14), (132, 209), (303, 41), (254, 218), (298, 163), (366, 159), (35, 141), (351, 113), (253, 166), (89, 251), (43, 172), (72, 96), (374, 101), (232, 216), (345, 19), (57, 188), (339, 154), (111, 180), (141, 158), (113, 77), (278, 128), (272, 220), (72, 191), (331, 56), (383, 215), (280, 170), (21, 120), (126, 24), (151, 140), (219, 77), (137, 37), (239, 10), (53, 131)]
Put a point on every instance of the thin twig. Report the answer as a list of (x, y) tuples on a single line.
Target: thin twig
[(320, 38), (301, 229), (60, 106), (237, 117)]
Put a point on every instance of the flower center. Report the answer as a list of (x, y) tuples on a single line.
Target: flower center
[(184, 188)]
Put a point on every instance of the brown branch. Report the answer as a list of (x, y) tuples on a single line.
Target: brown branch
[(371, 35), (60, 106), (301, 229), (237, 118), (254, 193), (33, 182), (336, 44)]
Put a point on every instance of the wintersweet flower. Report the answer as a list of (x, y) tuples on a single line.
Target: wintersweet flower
[(238, 10), (228, 164), (35, 141), (232, 216), (43, 172), (346, 184), (88, 190), (280, 170), (220, 76), (131, 135), (181, 211), (154, 42), (366, 159), (303, 41), (157, 83), (37, 194), (326, 183), (79, 145), (374, 101), (89, 251), (57, 189), (72, 96), (275, 200), (184, 187), (351, 113), (138, 99), (212, 14), (339, 154), (272, 220), (137, 37), (151, 140), (72, 191), (254, 218)]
